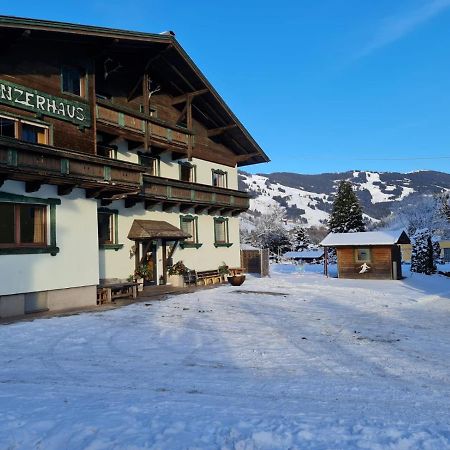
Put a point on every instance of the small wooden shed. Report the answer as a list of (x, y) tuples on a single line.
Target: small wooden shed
[(367, 255), (255, 260)]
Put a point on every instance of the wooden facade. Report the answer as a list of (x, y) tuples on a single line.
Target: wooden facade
[(381, 263), (139, 87), (367, 255)]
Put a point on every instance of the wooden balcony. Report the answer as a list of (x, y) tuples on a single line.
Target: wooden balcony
[(203, 198), (37, 164), (119, 120)]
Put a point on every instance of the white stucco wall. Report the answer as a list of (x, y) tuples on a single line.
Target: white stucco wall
[(75, 265), (170, 169), (120, 264)]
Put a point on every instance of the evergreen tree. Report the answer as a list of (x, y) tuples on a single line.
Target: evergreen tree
[(422, 256), (346, 215), (299, 239)]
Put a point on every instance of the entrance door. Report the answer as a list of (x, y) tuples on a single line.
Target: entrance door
[(149, 260)]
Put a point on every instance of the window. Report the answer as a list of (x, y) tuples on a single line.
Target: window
[(24, 130), (150, 163), (73, 81), (219, 178), (109, 151), (189, 225), (187, 172), (362, 255), (34, 133), (108, 232), (23, 225), (7, 127), (221, 234), (28, 224)]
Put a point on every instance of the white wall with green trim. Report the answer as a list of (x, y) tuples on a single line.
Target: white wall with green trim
[(120, 263), (76, 263)]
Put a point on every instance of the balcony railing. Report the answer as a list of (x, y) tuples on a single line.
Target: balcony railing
[(200, 196), (127, 120), (38, 164)]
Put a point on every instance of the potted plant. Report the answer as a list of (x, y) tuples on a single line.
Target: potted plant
[(176, 274), (223, 270), (141, 274)]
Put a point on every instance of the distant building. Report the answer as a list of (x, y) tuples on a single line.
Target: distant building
[(306, 256), (367, 255), (445, 251)]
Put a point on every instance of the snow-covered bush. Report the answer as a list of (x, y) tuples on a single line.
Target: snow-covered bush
[(422, 256)]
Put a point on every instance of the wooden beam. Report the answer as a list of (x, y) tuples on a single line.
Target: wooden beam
[(182, 114), (220, 130), (185, 208), (200, 209), (66, 189), (241, 158), (189, 95), (168, 206), (106, 201), (178, 154), (130, 202), (148, 204), (33, 186), (94, 193)]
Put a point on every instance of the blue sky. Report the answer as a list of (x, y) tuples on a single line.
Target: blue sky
[(323, 85)]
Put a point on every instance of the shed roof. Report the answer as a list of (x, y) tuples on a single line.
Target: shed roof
[(366, 238), (155, 229), (307, 254)]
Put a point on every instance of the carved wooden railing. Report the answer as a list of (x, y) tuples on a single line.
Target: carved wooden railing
[(194, 194), (44, 164)]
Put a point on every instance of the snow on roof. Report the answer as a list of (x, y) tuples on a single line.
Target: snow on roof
[(387, 237), (248, 247), (307, 254)]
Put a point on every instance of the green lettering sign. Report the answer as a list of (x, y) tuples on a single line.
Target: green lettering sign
[(41, 103)]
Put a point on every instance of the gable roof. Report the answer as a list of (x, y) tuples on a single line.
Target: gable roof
[(189, 78), (155, 229), (366, 238)]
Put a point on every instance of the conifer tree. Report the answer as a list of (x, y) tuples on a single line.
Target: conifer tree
[(422, 256), (346, 215), (299, 238)]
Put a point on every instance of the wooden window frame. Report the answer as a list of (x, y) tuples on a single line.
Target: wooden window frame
[(114, 217), (224, 221), (219, 173), (363, 260), (83, 81), (193, 167), (157, 161), (49, 224), (194, 243), (19, 120)]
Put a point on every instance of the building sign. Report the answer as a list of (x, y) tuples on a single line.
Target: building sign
[(44, 104)]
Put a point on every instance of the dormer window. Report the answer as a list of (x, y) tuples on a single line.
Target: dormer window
[(73, 80)]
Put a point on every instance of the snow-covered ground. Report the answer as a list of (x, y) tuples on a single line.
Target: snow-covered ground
[(295, 361)]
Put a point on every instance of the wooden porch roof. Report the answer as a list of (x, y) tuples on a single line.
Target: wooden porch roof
[(155, 229)]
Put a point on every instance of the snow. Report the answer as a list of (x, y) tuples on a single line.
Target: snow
[(305, 254), (302, 199), (386, 237), (295, 361), (373, 186)]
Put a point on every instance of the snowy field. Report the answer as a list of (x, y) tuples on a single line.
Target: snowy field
[(296, 361)]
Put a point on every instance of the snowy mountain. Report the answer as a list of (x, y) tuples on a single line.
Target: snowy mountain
[(307, 199)]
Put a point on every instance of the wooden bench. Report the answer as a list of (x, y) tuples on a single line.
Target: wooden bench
[(209, 277), (106, 293)]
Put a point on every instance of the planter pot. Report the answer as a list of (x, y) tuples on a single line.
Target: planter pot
[(140, 282), (236, 280), (175, 280)]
